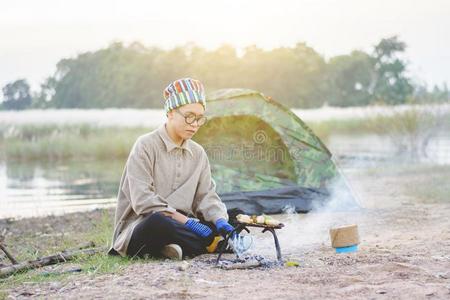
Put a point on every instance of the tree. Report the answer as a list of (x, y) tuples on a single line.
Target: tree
[(135, 75), (117, 76), (44, 96), (294, 76), (436, 95), (16, 95), (390, 83), (350, 78), (217, 69)]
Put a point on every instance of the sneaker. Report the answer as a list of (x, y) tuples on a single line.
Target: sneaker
[(172, 251)]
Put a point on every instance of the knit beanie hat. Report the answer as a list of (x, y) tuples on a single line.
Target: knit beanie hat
[(184, 91)]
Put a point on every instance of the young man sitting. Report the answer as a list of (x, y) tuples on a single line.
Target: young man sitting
[(167, 178)]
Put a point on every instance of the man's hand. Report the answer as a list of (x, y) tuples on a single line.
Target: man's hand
[(223, 226), (176, 216), (198, 228)]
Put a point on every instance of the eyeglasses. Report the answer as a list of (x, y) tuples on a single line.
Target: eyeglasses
[(190, 118)]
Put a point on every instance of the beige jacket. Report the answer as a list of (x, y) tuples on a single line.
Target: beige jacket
[(161, 176)]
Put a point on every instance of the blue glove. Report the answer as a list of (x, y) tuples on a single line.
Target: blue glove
[(223, 226), (198, 228)]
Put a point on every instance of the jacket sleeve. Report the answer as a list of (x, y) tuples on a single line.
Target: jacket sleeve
[(139, 184), (206, 201)]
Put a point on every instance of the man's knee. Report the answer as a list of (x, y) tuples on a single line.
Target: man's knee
[(159, 221)]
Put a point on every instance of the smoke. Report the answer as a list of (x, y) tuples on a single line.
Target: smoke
[(303, 233)]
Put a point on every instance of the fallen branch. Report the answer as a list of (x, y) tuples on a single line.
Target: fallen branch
[(10, 257), (48, 260)]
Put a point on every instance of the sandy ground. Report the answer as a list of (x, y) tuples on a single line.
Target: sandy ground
[(404, 253)]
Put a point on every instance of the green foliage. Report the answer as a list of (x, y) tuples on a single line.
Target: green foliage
[(362, 79), (16, 95), (390, 85), (298, 76), (50, 142), (133, 76), (350, 79), (439, 94)]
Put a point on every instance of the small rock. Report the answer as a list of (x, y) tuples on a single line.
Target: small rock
[(55, 285), (381, 292), (443, 275), (183, 266)]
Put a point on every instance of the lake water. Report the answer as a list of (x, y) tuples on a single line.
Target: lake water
[(41, 189)]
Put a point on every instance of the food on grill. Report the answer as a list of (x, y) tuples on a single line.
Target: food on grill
[(271, 222), (263, 220), (260, 219), (244, 218)]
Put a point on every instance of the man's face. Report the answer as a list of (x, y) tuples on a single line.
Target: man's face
[(178, 119)]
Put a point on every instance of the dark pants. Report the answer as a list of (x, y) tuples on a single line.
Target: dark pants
[(156, 230)]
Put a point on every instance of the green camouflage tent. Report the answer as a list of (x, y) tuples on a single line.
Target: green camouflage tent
[(263, 158)]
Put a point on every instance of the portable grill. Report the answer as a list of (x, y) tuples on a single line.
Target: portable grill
[(244, 226)]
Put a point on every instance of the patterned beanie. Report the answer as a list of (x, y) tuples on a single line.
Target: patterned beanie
[(184, 91)]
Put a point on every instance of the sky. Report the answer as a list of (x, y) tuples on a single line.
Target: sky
[(35, 35)]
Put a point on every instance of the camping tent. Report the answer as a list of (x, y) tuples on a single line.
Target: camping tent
[(263, 158)]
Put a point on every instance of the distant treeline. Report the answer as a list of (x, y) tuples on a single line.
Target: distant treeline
[(135, 76)]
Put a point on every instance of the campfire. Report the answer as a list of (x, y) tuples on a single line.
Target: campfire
[(244, 222)]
